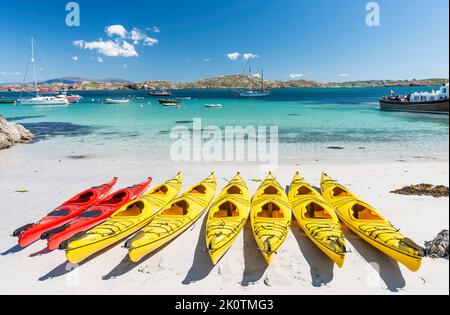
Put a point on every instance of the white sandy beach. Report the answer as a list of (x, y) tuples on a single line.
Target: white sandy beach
[(183, 266)]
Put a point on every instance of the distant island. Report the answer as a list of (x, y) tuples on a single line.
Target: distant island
[(222, 82)]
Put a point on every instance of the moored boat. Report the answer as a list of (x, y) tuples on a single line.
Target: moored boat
[(436, 102), (171, 102), (160, 93), (39, 99), (4, 100), (112, 101)]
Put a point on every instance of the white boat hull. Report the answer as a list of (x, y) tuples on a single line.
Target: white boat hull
[(41, 102)]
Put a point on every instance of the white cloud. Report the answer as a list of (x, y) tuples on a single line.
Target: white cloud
[(100, 59), (233, 56), (9, 73), (257, 76), (248, 56), (344, 75), (137, 36), (149, 41), (154, 29), (75, 58), (207, 59), (295, 75), (109, 48), (125, 66), (118, 30)]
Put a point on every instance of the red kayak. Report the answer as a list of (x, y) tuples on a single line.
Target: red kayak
[(94, 215), (30, 233)]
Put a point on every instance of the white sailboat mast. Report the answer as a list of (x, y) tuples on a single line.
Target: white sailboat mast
[(34, 66)]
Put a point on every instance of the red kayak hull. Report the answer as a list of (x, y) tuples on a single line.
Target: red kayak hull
[(97, 214), (65, 213)]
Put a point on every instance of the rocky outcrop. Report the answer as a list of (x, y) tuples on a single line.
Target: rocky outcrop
[(438, 248), (11, 134)]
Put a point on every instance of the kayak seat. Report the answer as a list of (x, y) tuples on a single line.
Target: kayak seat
[(341, 192), (271, 191), (227, 210), (179, 208), (198, 190), (82, 199), (361, 212), (234, 190), (303, 190), (114, 200), (315, 211), (270, 210), (133, 210), (161, 190)]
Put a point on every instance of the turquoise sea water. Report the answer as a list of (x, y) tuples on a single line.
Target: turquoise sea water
[(310, 121)]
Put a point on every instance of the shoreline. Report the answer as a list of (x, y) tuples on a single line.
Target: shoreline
[(232, 88)]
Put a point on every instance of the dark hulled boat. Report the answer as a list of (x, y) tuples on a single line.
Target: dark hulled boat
[(419, 102)]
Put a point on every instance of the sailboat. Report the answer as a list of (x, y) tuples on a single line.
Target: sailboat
[(262, 92), (39, 99)]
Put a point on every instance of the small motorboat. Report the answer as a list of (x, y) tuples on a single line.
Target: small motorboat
[(213, 105), (172, 102), (160, 93), (112, 101), (4, 100)]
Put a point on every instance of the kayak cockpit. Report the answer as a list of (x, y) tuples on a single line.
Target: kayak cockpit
[(179, 208), (161, 190), (270, 210), (341, 192), (304, 191), (362, 212), (200, 189), (227, 210), (133, 210), (234, 190), (271, 190), (82, 199), (115, 199), (316, 212)]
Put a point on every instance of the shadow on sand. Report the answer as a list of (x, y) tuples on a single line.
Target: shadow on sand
[(42, 252), (202, 264), (255, 264), (13, 250), (321, 266), (387, 268), (126, 265), (67, 267)]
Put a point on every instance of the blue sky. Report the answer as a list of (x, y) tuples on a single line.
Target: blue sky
[(325, 40)]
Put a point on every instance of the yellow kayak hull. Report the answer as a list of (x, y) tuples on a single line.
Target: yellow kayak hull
[(317, 219), (173, 220), (371, 226), (125, 222), (227, 217), (271, 217)]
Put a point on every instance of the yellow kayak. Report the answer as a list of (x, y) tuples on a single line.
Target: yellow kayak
[(270, 217), (125, 222), (317, 219), (370, 225), (173, 220), (227, 217)]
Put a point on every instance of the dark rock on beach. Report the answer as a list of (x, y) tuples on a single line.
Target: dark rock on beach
[(438, 248), (423, 190), (11, 134)]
